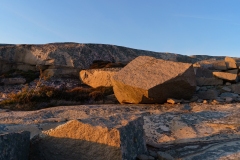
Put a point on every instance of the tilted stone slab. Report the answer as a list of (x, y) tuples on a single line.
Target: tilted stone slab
[(220, 65), (14, 146), (95, 139), (226, 76), (231, 63), (98, 77), (150, 80)]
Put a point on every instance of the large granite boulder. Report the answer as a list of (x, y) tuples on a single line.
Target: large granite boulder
[(95, 139), (98, 77), (14, 146), (150, 80)]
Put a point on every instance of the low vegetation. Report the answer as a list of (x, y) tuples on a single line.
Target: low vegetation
[(45, 96)]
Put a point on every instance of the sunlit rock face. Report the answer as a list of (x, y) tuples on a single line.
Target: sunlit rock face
[(150, 80)]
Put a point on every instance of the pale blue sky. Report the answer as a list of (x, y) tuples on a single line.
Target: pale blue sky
[(189, 27)]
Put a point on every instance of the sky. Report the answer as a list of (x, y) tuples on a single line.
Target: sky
[(187, 27)]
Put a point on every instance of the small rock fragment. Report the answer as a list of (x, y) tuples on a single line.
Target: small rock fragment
[(173, 101)]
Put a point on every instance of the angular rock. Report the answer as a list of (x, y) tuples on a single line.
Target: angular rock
[(229, 94), (206, 95), (203, 72), (234, 71), (98, 77), (228, 99), (226, 89), (150, 80), (201, 81), (236, 88), (13, 81), (220, 65), (226, 76), (173, 101), (95, 138), (231, 63), (15, 146)]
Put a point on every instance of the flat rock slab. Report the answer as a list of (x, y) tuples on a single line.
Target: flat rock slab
[(226, 76), (14, 146)]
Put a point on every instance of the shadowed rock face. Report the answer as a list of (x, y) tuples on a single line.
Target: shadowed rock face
[(72, 55), (14, 145), (150, 80)]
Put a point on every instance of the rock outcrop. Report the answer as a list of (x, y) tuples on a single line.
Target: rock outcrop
[(150, 80), (71, 56), (15, 146)]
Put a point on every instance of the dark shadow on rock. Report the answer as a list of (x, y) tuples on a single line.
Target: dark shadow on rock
[(55, 148)]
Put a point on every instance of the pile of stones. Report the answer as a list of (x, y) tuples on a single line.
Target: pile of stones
[(217, 81)]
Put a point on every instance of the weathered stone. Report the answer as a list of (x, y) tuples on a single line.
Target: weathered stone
[(61, 72), (205, 101), (231, 63), (228, 84), (13, 81), (229, 94), (236, 88), (234, 71), (164, 156), (98, 77), (226, 89), (220, 65), (206, 95), (150, 80), (14, 146), (203, 72), (222, 151), (193, 99), (226, 76), (228, 99), (95, 138), (173, 101), (201, 81)]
